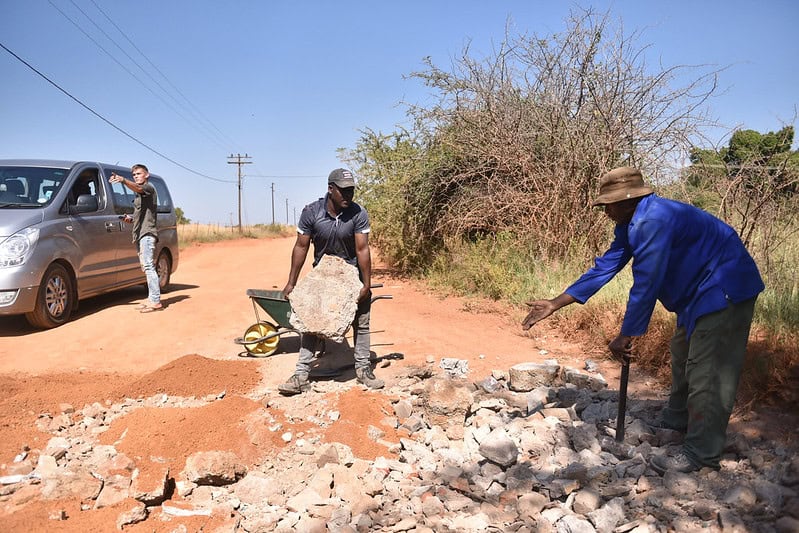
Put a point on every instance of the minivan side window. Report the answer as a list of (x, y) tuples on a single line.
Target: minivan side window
[(86, 183), (122, 196), (164, 200)]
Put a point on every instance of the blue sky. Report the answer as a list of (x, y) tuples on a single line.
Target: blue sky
[(289, 82)]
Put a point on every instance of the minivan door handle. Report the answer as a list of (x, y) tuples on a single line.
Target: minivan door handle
[(111, 226)]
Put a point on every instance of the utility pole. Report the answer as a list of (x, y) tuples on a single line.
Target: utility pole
[(237, 160), (273, 203), (287, 211)]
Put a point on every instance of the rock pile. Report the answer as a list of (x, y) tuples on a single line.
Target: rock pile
[(530, 450)]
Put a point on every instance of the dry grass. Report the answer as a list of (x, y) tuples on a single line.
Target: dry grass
[(191, 233), (771, 370)]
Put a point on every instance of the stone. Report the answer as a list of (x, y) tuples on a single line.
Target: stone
[(786, 524), (329, 456), (214, 468), (115, 490), (586, 500), (525, 377), (608, 516), (150, 491), (455, 368), (499, 448), (447, 401), (324, 302), (574, 524), (741, 497), (132, 516), (255, 488)]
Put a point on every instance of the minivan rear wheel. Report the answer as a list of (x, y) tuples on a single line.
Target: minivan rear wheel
[(55, 301), (164, 269)]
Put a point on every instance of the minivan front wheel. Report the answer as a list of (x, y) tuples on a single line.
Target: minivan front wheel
[(164, 269), (55, 301)]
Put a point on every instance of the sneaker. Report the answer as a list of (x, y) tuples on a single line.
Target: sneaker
[(676, 463), (367, 377), (660, 424), (296, 384)]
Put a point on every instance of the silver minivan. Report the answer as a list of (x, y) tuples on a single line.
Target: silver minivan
[(62, 238)]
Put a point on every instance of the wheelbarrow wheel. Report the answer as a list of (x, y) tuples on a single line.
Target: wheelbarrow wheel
[(263, 348)]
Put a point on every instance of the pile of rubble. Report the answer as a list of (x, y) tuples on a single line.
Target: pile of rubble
[(529, 450)]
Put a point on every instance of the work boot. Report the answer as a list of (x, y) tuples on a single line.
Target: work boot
[(676, 463), (296, 384), (367, 377)]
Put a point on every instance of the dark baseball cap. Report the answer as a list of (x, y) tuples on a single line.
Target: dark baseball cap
[(342, 178)]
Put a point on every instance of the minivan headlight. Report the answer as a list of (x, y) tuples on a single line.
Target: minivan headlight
[(16, 249)]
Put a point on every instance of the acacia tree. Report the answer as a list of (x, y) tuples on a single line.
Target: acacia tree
[(516, 142), (754, 179)]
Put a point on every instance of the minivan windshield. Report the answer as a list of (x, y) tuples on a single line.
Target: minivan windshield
[(29, 186)]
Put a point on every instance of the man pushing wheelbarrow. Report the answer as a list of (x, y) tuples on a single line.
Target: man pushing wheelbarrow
[(338, 227)]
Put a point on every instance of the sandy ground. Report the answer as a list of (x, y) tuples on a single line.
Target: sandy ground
[(110, 351)]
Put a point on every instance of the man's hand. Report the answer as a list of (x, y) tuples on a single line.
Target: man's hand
[(621, 348), (539, 310), (364, 294), (287, 290), (127, 218), (115, 178)]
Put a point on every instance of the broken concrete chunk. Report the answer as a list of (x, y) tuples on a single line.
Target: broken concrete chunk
[(325, 301), (525, 377)]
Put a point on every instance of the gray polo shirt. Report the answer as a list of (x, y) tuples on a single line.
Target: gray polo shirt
[(333, 235), (144, 213)]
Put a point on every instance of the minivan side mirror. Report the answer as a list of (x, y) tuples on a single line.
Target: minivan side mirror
[(86, 204)]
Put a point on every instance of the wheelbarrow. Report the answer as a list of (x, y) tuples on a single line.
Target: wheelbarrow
[(262, 338)]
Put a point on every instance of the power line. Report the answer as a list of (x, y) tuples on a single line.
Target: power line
[(126, 69), (280, 176), (199, 113), (98, 115)]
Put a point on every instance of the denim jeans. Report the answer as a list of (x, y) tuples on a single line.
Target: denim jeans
[(360, 326), (146, 249), (704, 379)]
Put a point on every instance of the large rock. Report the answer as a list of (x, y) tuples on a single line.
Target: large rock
[(324, 302), (214, 468), (525, 377), (447, 401)]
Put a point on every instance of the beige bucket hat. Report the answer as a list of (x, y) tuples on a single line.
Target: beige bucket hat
[(621, 184)]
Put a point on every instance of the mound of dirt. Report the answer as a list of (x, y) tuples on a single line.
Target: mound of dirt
[(195, 375)]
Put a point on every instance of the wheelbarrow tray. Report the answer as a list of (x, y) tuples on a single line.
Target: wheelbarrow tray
[(261, 339), (274, 304)]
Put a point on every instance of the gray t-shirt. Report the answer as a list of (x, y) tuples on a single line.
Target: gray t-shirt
[(144, 213), (333, 235)]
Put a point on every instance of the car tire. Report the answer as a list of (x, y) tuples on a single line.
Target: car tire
[(164, 269), (56, 299)]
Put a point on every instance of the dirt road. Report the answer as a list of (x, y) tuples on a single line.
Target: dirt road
[(207, 308), (109, 352)]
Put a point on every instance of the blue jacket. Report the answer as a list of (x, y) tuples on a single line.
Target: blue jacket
[(688, 259)]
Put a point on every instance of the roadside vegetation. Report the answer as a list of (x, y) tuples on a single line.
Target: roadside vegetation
[(487, 193)]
